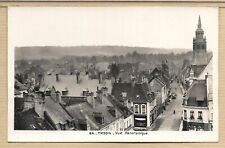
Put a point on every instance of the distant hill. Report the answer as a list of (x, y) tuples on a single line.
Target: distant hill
[(49, 52)]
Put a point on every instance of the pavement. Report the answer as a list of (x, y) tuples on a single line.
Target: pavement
[(168, 121)]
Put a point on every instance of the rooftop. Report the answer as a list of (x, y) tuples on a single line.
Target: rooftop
[(197, 94), (197, 69), (29, 120), (84, 111), (137, 93), (156, 84), (69, 82), (55, 111)]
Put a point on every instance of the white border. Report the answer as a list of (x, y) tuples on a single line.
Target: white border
[(83, 136)]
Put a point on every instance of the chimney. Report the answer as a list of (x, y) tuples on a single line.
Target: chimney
[(104, 91), (39, 106), (100, 77), (65, 92), (85, 92), (99, 95), (57, 77), (91, 99), (58, 97), (133, 82), (112, 111), (78, 77)]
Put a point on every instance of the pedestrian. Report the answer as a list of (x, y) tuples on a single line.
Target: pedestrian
[(174, 111)]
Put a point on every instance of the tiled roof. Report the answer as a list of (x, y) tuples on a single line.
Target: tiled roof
[(156, 84), (29, 120), (16, 92), (207, 70), (84, 111), (158, 73), (55, 111), (197, 94), (197, 69), (133, 92), (69, 82), (20, 85)]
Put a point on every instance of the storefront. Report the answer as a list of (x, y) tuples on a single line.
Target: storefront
[(140, 121)]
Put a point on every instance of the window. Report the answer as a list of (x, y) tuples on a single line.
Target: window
[(143, 109), (185, 114), (198, 46), (200, 115), (203, 46), (212, 116), (124, 94), (136, 108), (192, 115)]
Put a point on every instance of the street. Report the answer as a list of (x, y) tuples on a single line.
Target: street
[(168, 121)]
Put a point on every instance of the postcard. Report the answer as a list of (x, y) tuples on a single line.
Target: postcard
[(113, 74)]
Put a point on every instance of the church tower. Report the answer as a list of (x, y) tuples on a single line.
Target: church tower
[(199, 46)]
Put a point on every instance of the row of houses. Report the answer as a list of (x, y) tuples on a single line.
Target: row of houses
[(122, 106)]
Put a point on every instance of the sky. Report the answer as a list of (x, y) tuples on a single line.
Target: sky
[(161, 27)]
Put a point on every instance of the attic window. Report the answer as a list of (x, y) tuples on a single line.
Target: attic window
[(137, 96), (124, 94), (98, 117), (112, 111), (200, 103), (82, 124)]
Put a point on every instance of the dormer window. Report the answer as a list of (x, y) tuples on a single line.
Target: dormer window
[(112, 111), (98, 117), (124, 94), (137, 96), (82, 124)]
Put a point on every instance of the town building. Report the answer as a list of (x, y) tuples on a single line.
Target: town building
[(88, 104), (102, 112), (198, 100), (50, 109), (196, 104), (158, 87), (137, 98)]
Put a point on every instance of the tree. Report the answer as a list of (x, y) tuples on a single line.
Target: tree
[(114, 70)]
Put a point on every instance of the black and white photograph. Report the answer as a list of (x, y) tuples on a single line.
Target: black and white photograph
[(113, 74)]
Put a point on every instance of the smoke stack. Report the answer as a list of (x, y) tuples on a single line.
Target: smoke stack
[(39, 106), (100, 77), (99, 96), (91, 99), (57, 77), (78, 77)]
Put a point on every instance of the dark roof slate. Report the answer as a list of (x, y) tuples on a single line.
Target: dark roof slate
[(197, 94), (133, 91)]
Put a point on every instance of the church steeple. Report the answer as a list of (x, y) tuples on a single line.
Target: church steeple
[(199, 46), (199, 22)]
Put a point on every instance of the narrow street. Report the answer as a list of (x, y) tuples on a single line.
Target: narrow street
[(168, 121)]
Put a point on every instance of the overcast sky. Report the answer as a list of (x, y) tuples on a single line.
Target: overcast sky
[(162, 27)]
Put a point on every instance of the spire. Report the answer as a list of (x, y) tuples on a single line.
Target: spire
[(199, 22)]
